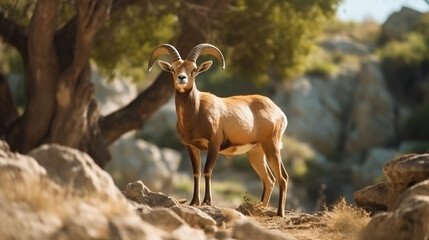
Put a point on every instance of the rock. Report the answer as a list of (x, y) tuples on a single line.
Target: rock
[(420, 189), (247, 230), (314, 109), (186, 233), (76, 171), (138, 192), (344, 44), (131, 227), (20, 222), (87, 222), (195, 217), (160, 128), (373, 164), (163, 218), (17, 167), (34, 207), (371, 98), (373, 197), (135, 159), (224, 217), (409, 220), (112, 94), (403, 172), (398, 24)]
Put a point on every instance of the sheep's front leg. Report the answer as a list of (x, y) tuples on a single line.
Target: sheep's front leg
[(212, 154), (194, 155)]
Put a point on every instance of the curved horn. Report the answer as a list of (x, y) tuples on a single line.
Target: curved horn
[(206, 48), (164, 49)]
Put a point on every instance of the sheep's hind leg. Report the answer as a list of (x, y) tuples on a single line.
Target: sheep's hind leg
[(259, 164), (272, 152)]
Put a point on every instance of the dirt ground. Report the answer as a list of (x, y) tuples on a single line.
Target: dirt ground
[(341, 221)]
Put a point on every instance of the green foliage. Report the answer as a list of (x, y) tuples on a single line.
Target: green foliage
[(322, 69), (124, 44), (417, 125), (260, 38), (272, 36), (10, 60), (412, 51), (423, 26)]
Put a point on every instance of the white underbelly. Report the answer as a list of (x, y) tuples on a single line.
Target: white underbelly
[(237, 150)]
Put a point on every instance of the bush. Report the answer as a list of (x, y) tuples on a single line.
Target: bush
[(412, 51), (322, 69), (417, 125), (405, 67)]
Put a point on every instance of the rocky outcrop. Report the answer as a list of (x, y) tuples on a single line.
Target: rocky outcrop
[(60, 193), (400, 23), (342, 113), (373, 198), (315, 108), (112, 94), (75, 171), (409, 219), (406, 197), (135, 159), (403, 172), (373, 110)]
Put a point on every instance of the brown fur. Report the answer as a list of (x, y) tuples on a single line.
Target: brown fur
[(250, 124)]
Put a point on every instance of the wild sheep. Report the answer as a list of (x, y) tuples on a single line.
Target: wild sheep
[(235, 125)]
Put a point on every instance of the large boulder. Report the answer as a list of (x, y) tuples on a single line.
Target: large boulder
[(112, 94), (398, 24), (68, 197), (315, 108), (76, 171), (135, 159), (372, 118), (408, 220), (403, 172), (160, 128), (373, 198)]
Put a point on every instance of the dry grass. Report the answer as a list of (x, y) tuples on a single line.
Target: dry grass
[(41, 194), (345, 221)]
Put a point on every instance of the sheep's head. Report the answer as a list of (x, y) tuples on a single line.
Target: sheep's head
[(185, 71)]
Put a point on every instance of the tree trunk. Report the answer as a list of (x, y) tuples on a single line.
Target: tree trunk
[(60, 97), (60, 107)]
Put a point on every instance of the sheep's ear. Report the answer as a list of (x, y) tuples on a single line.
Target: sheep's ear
[(165, 66), (204, 67)]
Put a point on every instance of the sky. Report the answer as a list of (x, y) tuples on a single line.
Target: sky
[(378, 10)]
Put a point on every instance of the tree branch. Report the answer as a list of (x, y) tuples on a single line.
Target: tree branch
[(138, 111), (13, 34), (135, 114)]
